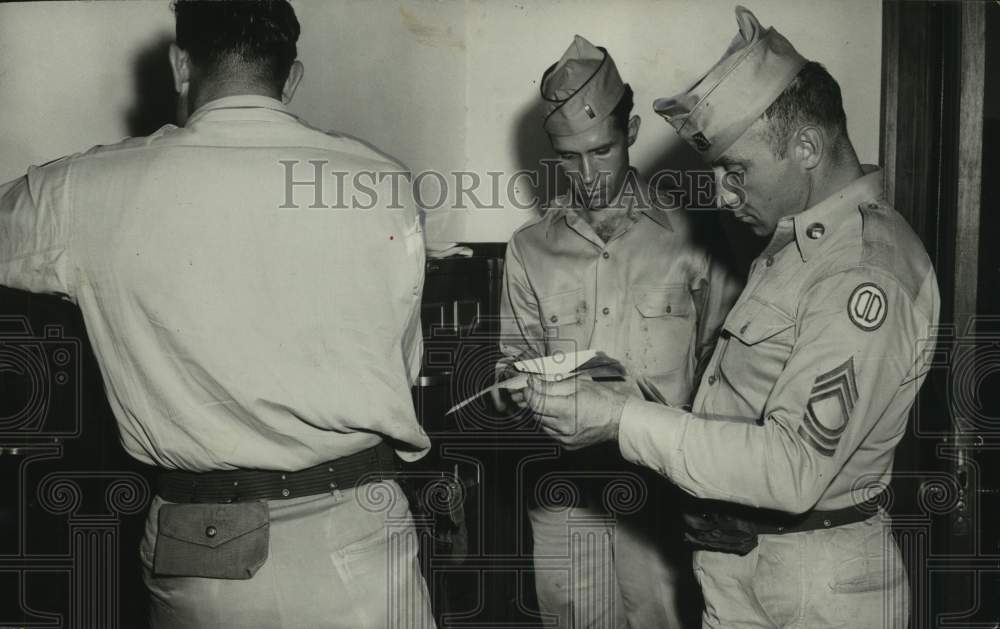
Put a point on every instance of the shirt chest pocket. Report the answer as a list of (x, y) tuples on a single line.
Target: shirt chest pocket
[(662, 329), (759, 340), (671, 301), (563, 320)]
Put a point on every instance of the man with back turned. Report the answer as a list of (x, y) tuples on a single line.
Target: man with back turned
[(260, 355)]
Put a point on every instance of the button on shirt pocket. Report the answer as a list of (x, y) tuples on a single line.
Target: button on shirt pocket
[(662, 334), (759, 341), (672, 301), (563, 318)]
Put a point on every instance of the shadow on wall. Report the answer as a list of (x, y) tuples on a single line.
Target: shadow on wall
[(717, 231), (155, 102), (532, 146)]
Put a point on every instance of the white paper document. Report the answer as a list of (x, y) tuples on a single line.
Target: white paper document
[(558, 366)]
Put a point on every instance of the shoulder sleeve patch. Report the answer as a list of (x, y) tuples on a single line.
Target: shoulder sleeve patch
[(867, 307)]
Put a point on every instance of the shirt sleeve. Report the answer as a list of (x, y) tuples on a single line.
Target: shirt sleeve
[(413, 337), (35, 230), (843, 371), (522, 335)]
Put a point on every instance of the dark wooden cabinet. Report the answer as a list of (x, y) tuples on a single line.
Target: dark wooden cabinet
[(489, 581)]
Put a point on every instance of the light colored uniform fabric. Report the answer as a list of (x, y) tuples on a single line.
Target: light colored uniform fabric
[(654, 301), (345, 560), (647, 289), (849, 576), (233, 332), (598, 568), (719, 107), (580, 90), (810, 386)]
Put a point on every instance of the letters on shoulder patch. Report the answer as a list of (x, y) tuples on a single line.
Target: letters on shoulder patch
[(831, 401), (867, 306)]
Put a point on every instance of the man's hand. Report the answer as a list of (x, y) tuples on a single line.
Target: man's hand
[(502, 396), (578, 412)]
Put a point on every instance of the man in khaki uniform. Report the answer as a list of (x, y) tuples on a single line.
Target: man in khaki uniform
[(807, 394), (259, 355), (604, 268)]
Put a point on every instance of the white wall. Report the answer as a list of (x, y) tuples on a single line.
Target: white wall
[(442, 85), (66, 75), (660, 48), (393, 73)]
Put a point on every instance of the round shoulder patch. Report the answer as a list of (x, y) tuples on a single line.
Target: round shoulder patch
[(867, 306)]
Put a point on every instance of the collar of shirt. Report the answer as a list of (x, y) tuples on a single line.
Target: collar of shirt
[(829, 214), (562, 209), (240, 102)]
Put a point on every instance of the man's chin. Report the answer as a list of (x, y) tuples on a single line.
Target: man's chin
[(757, 227)]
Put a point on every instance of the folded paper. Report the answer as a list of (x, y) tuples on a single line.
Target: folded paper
[(594, 364)]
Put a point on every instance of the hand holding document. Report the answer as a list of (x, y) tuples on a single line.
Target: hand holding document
[(594, 364)]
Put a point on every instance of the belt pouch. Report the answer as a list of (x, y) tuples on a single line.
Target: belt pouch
[(210, 540)]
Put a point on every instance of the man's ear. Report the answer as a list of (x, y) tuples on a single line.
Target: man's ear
[(180, 65), (292, 82), (808, 146), (633, 129)]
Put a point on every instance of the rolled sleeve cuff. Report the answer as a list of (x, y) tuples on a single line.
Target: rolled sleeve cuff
[(651, 434)]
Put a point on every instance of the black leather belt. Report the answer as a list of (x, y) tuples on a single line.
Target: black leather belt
[(373, 464), (729, 527), (813, 520)]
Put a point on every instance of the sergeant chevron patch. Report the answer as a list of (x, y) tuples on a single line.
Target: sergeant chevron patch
[(829, 409)]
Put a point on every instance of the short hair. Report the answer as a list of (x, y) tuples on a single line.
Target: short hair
[(813, 97), (623, 110), (256, 35)]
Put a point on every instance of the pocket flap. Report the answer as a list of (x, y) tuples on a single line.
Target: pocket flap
[(562, 309), (212, 525), (756, 321), (663, 302)]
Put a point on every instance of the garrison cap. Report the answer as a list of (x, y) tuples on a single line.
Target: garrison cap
[(714, 112), (580, 89)]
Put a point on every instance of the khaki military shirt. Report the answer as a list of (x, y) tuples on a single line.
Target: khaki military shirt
[(232, 329), (809, 388), (648, 297)]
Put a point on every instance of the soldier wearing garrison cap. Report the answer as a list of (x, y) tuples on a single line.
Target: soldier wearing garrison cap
[(730, 97), (581, 89), (603, 268), (790, 440)]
